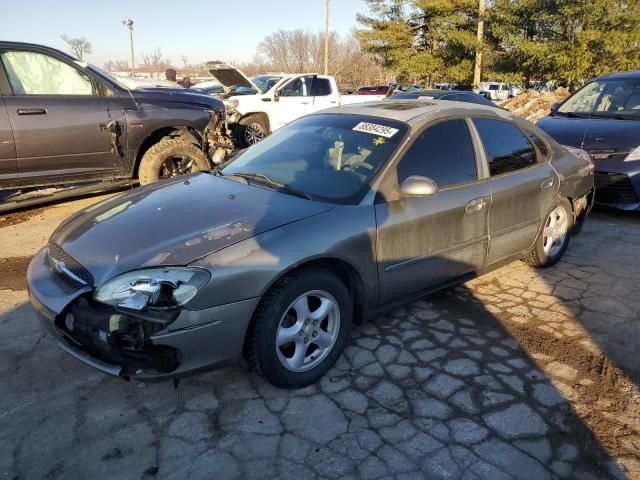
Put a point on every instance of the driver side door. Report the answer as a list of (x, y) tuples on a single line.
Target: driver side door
[(295, 100), (423, 241), (59, 118)]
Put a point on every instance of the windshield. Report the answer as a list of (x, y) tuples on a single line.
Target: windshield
[(331, 158), (265, 82), (615, 97)]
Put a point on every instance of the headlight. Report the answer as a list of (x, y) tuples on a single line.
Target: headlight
[(634, 155), (231, 105), (161, 288)]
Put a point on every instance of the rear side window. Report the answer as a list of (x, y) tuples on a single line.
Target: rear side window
[(321, 87), (542, 146), (444, 153), (507, 148)]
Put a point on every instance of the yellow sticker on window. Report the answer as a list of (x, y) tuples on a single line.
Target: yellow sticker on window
[(378, 141)]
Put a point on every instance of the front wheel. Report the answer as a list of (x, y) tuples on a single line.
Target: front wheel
[(171, 157), (553, 239), (300, 329), (253, 129)]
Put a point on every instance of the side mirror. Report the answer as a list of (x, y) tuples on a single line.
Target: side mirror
[(276, 96), (555, 107), (418, 186)]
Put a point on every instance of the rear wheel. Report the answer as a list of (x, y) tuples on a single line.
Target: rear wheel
[(171, 157), (300, 328), (553, 239)]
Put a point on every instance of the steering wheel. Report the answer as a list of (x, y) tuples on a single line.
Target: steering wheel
[(355, 166)]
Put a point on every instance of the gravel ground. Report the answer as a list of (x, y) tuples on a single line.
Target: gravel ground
[(521, 373)]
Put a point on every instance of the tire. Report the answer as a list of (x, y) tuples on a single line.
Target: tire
[(554, 236), (282, 313), (182, 154), (253, 128)]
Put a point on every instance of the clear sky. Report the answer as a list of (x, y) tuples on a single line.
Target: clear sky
[(200, 29)]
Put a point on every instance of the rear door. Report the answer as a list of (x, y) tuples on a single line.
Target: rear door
[(324, 95), (523, 187), (424, 241), (59, 117)]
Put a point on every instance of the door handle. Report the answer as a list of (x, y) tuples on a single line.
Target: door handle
[(547, 184), (32, 111), (305, 103), (476, 205)]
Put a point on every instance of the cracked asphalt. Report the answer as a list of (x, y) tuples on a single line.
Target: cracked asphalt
[(519, 374)]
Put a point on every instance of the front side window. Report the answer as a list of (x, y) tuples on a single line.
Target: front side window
[(299, 87), (443, 153), (332, 158), (507, 148), (32, 73)]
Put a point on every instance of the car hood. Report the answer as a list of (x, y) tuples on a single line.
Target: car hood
[(229, 76), (593, 133), (167, 96), (174, 223)]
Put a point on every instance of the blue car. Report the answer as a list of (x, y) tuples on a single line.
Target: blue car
[(603, 118)]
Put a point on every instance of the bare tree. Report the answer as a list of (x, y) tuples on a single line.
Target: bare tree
[(79, 46), (116, 66), (303, 51), (155, 59)]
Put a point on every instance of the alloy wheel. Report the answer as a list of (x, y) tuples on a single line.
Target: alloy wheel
[(253, 133), (555, 231), (307, 331)]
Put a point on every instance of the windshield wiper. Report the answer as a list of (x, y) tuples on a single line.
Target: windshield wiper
[(572, 114), (276, 185), (617, 116)]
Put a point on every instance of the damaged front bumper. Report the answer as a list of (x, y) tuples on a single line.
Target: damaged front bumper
[(141, 345)]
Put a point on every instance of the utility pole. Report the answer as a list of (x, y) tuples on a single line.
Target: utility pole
[(477, 70), (326, 37), (127, 22)]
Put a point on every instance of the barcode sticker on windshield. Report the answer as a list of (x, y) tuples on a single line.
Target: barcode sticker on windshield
[(375, 129)]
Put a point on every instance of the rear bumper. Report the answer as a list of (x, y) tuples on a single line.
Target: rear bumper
[(202, 339), (618, 184)]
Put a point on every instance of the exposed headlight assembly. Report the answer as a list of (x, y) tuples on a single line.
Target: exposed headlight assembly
[(634, 155), (156, 288)]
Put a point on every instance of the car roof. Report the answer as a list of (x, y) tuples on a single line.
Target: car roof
[(417, 111), (11, 44), (621, 75)]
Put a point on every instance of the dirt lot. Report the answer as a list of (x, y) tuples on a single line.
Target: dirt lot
[(522, 374)]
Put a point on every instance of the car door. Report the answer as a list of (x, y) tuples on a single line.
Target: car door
[(59, 117), (295, 99), (323, 94), (425, 241), (8, 161), (523, 187)]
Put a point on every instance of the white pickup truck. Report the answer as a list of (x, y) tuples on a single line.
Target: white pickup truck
[(259, 106)]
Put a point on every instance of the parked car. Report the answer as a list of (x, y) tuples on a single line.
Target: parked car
[(209, 87), (325, 222), (496, 91), (66, 122), (603, 117), (454, 95), (272, 105), (379, 90)]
